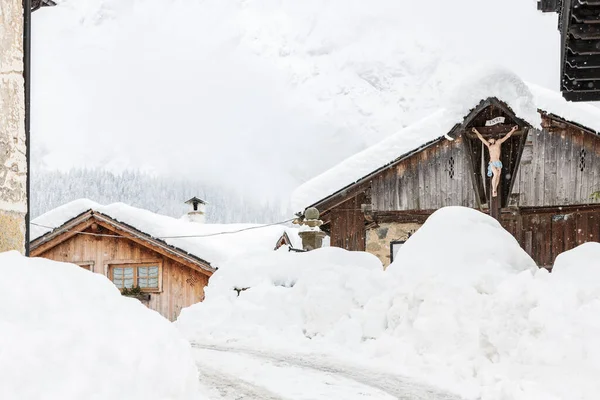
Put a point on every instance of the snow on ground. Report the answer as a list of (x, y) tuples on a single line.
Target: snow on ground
[(278, 379), (66, 333), (208, 244), (478, 84), (462, 307)]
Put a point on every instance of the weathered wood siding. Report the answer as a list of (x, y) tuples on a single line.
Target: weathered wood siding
[(558, 167), (348, 225), (436, 177), (544, 234), (181, 286)]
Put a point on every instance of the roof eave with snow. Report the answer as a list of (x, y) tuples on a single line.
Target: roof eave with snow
[(525, 101)]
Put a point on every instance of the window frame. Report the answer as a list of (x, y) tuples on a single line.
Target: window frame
[(111, 265), (87, 265), (392, 243)]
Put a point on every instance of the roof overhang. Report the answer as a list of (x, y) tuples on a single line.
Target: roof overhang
[(352, 189), (84, 220)]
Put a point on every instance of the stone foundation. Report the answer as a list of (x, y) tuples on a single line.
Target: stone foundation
[(380, 237), (12, 231)]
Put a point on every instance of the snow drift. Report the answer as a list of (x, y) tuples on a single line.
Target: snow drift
[(462, 307), (66, 333)]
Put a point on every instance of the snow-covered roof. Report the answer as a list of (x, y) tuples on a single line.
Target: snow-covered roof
[(524, 100), (212, 246)]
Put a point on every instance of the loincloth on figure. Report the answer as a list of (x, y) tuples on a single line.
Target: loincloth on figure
[(497, 164)]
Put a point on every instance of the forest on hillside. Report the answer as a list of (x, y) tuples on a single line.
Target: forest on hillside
[(50, 189)]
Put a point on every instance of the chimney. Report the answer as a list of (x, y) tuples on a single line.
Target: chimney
[(196, 214)]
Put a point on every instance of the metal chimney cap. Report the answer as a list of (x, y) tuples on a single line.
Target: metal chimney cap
[(195, 200)]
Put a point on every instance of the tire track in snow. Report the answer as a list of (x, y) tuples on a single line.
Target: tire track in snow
[(230, 387), (400, 387)]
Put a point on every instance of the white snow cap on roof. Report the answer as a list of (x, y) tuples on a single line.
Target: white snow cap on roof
[(214, 249), (482, 83)]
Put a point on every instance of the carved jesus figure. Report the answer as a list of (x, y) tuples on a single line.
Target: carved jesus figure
[(495, 149)]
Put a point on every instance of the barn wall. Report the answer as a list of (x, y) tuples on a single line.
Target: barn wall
[(544, 234), (13, 164), (348, 225), (559, 167), (435, 177), (181, 286)]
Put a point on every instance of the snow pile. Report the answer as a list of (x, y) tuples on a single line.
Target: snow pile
[(580, 265), (462, 306), (209, 245), (470, 249), (284, 296), (66, 333), (485, 82)]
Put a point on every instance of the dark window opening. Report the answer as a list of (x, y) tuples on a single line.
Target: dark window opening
[(395, 247), (582, 160)]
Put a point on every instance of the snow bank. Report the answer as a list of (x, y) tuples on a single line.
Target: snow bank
[(66, 333), (216, 249), (290, 295), (580, 266), (471, 248), (462, 306)]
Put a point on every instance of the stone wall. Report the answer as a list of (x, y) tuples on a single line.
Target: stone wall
[(380, 237), (13, 162)]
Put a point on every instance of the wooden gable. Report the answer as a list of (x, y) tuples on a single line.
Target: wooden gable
[(512, 149), (79, 225), (102, 245)]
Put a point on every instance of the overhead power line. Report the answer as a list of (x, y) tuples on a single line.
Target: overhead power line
[(170, 237)]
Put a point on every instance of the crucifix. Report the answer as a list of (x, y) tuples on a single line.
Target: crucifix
[(493, 135), (495, 149)]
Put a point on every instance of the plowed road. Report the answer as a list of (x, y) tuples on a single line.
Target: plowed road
[(242, 373)]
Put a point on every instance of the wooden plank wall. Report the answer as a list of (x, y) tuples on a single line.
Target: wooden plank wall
[(544, 235), (436, 177), (181, 286), (348, 225), (554, 176)]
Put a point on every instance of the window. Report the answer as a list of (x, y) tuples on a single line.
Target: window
[(144, 276), (451, 167), (394, 247), (86, 265), (582, 160)]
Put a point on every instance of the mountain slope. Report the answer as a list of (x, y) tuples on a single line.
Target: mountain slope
[(256, 95)]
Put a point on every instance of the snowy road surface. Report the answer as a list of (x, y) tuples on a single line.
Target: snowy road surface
[(243, 373)]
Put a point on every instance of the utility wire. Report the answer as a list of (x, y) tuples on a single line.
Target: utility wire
[(171, 237)]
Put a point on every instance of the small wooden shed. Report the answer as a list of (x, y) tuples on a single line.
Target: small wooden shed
[(376, 199), (162, 261)]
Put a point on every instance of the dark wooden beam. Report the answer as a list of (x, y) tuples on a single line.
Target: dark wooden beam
[(412, 216), (494, 131), (495, 203), (559, 209)]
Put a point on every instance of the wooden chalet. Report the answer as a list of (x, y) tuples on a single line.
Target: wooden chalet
[(550, 171), (162, 261)]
